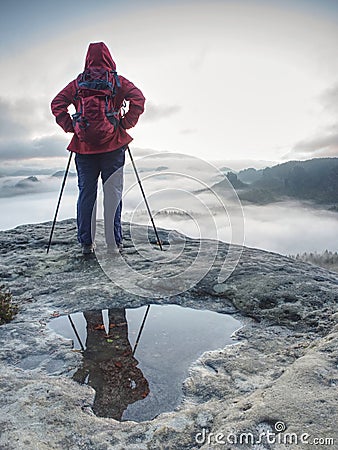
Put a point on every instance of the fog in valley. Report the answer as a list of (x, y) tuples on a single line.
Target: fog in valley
[(180, 194)]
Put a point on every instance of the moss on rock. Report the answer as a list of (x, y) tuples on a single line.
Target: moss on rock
[(7, 308)]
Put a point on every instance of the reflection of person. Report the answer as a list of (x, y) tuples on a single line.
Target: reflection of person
[(109, 365), (100, 141)]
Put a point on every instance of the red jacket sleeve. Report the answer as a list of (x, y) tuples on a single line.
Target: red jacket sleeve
[(60, 105), (136, 103)]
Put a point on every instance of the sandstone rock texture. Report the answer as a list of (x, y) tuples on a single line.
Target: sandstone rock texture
[(276, 388)]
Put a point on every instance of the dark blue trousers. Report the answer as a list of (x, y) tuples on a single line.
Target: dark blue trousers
[(89, 167)]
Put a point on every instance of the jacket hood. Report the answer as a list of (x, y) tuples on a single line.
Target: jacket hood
[(99, 57)]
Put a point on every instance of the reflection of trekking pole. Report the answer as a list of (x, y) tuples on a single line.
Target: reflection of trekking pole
[(59, 201), (141, 329), (76, 333), (145, 199)]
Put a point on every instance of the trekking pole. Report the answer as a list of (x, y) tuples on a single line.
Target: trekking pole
[(76, 333), (141, 329), (59, 201), (144, 197)]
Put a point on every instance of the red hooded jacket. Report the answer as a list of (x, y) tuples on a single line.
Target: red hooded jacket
[(99, 57)]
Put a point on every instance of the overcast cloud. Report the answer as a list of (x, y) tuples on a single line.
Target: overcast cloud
[(24, 131), (156, 112), (25, 148), (325, 142), (329, 99), (245, 76), (10, 125), (323, 145)]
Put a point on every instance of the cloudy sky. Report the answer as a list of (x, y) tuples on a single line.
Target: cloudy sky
[(227, 80)]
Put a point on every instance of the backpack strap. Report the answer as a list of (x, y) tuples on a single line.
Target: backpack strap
[(116, 77), (76, 95)]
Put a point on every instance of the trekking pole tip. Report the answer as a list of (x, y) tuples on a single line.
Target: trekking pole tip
[(159, 243)]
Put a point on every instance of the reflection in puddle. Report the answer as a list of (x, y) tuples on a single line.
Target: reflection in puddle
[(136, 359)]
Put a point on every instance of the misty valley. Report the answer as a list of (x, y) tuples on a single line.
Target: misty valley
[(290, 208)]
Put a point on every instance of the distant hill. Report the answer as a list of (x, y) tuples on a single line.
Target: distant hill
[(61, 173), (250, 175), (315, 180), (27, 182)]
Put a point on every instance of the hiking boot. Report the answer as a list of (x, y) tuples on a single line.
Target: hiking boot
[(88, 249)]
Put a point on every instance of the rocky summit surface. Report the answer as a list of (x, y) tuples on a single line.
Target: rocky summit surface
[(276, 388)]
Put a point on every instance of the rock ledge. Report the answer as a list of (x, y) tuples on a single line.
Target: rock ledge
[(284, 369)]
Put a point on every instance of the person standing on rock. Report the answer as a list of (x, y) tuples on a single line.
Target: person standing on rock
[(100, 140)]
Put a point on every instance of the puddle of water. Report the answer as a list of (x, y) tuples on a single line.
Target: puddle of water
[(136, 359)]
